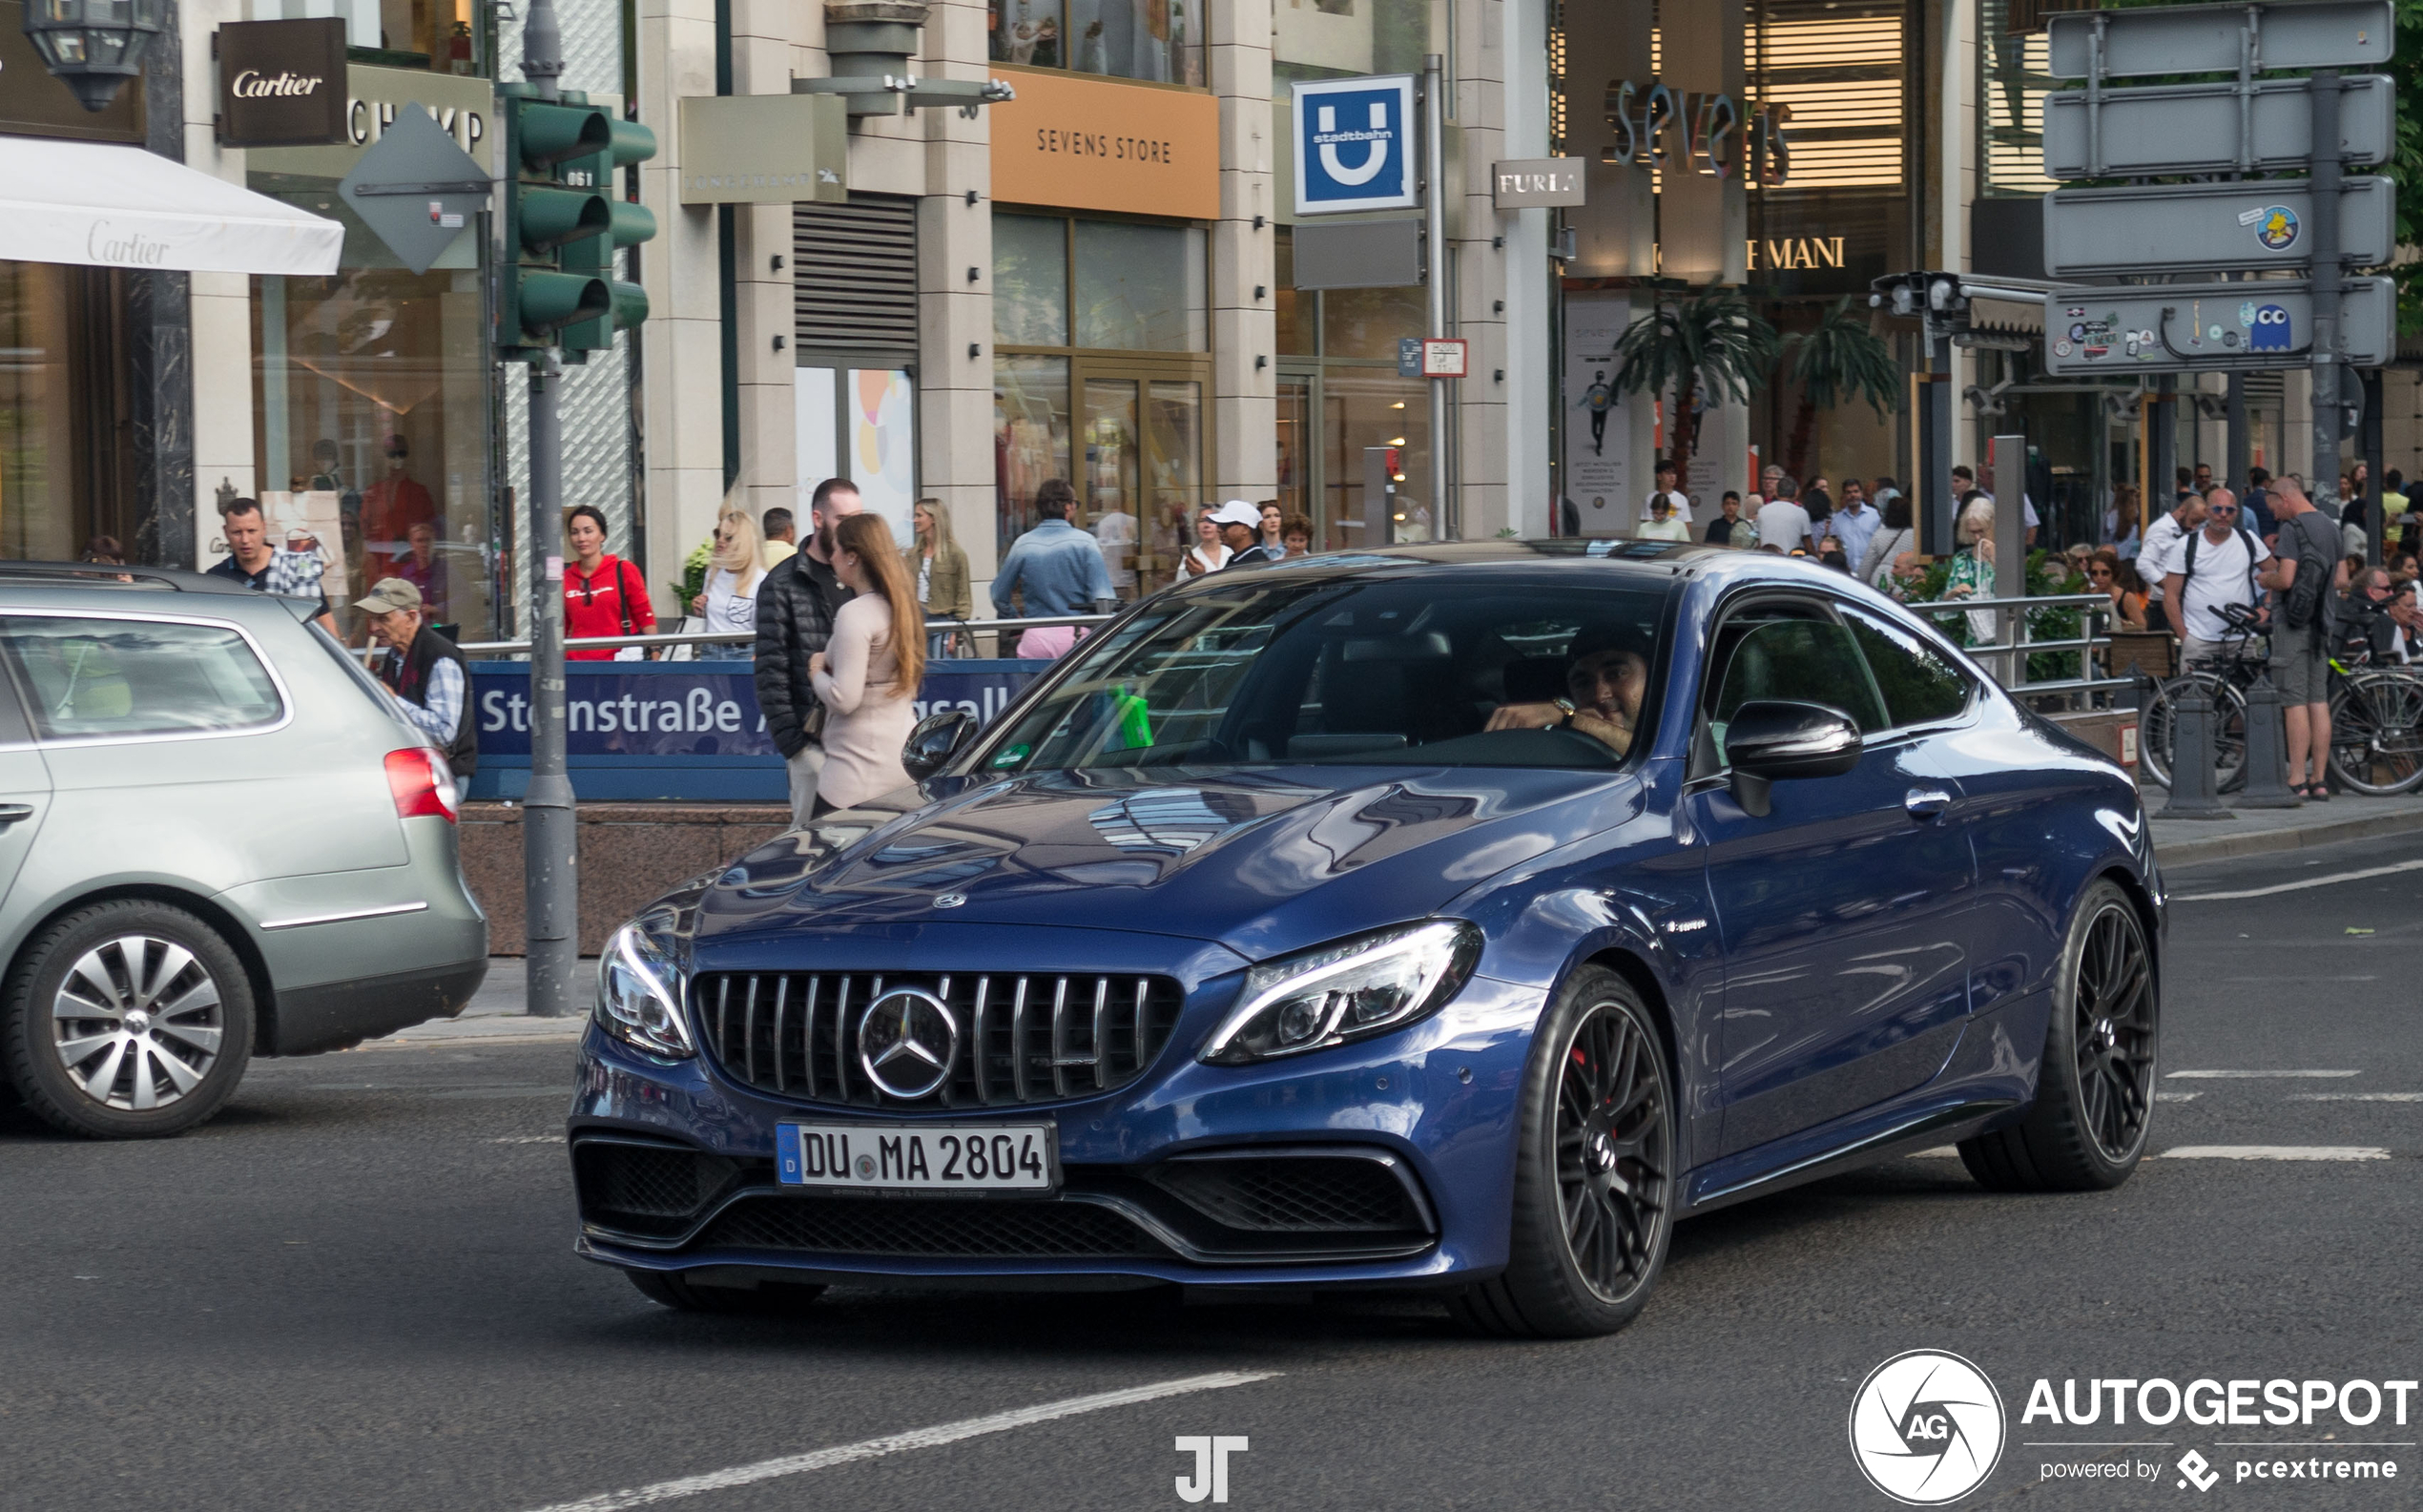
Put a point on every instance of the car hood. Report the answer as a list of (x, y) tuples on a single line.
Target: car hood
[(1264, 860)]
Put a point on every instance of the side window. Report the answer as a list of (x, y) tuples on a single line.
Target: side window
[(1920, 687), (1804, 660), (89, 679)]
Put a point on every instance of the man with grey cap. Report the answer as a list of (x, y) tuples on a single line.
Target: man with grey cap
[(425, 672), (1241, 530)]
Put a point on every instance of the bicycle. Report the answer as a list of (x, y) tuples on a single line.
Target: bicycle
[(2376, 723), (2223, 678)]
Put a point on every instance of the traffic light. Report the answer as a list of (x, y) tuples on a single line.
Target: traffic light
[(562, 222), (627, 142)]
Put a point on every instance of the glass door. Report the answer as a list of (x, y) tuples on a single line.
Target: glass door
[(1112, 450), (1173, 462)]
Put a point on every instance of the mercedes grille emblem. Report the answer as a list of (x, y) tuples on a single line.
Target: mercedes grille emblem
[(908, 1042), (950, 899)]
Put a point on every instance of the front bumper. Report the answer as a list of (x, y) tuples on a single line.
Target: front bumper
[(1390, 1160)]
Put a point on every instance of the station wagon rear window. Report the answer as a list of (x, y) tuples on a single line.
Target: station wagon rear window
[(95, 678)]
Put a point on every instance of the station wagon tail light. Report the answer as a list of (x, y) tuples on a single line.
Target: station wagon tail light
[(1370, 984), (423, 785)]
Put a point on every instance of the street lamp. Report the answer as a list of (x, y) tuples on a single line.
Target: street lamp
[(95, 46)]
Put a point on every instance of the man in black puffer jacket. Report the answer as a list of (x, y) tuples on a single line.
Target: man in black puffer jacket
[(796, 605)]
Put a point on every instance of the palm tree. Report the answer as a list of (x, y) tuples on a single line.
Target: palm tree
[(1841, 360), (1708, 343)]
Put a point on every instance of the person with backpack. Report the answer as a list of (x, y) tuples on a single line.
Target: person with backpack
[(603, 593), (2210, 569), (2299, 577)]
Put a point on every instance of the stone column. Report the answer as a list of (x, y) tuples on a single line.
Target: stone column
[(681, 341), (955, 400), (220, 315), (159, 334), (1244, 413)]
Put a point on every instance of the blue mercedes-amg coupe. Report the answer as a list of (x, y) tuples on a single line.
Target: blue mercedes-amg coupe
[(1458, 917)]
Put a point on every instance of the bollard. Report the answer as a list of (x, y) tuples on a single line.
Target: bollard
[(2266, 752), (2191, 759)]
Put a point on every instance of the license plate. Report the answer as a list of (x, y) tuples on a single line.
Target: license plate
[(924, 1157)]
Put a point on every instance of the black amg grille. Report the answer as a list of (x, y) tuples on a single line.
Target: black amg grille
[(1023, 1039), (646, 1188), (1309, 1193), (959, 1229)]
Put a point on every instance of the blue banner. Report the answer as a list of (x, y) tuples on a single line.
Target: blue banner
[(686, 731)]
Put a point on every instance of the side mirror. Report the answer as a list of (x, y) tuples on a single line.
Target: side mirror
[(1773, 739), (937, 737)]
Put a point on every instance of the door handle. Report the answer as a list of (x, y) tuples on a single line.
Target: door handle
[(10, 813), (1926, 804)]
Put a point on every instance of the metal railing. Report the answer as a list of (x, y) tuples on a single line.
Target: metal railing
[(933, 627), (2014, 641)]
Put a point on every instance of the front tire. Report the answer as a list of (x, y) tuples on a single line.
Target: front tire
[(125, 1020), (1594, 1175), (2094, 1087)]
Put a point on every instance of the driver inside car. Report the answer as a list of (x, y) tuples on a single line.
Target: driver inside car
[(1605, 674)]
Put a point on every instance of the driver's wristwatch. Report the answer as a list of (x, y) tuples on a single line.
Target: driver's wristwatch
[(1565, 723)]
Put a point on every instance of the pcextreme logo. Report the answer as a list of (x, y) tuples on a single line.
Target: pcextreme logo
[(1926, 1427)]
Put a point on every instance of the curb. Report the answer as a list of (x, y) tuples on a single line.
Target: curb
[(2263, 842)]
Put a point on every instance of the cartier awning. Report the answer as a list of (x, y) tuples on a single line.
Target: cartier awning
[(121, 207)]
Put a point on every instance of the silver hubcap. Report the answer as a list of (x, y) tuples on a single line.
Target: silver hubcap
[(137, 1022)]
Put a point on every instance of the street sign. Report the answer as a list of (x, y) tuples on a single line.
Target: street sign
[(2225, 227), (2208, 38), (1355, 145), (416, 189), (1408, 357), (2194, 127), (2259, 325), (1442, 357)]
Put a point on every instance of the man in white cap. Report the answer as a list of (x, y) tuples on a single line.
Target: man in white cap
[(1241, 530), (425, 672)]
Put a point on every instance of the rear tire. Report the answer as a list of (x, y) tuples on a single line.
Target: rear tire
[(1594, 1175), (769, 1299), (2094, 1087), (125, 1020)]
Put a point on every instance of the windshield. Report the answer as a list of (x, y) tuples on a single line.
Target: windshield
[(1480, 670)]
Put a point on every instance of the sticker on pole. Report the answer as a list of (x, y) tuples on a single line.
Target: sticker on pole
[(2274, 331), (2276, 227), (1355, 145)]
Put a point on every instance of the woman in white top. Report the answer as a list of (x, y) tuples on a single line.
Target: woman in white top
[(868, 674), (1208, 554), (730, 598)]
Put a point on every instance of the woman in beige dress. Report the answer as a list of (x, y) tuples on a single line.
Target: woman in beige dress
[(868, 674)]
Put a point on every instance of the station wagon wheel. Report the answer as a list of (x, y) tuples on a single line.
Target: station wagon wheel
[(128, 1019), (2094, 1087), (1595, 1176)]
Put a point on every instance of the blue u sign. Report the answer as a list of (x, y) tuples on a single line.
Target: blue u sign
[(1355, 145)]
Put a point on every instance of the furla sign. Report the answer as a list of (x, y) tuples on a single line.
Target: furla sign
[(281, 83)]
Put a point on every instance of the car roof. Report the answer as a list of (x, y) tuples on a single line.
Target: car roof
[(152, 590), (1644, 563)]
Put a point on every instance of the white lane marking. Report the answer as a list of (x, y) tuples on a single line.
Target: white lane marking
[(2249, 1076), (1940, 1152), (2274, 1152), (529, 1139), (2355, 1097), (893, 1443), (2300, 884), (2177, 1097)]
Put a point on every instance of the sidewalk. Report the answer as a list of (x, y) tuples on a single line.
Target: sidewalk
[(2257, 832), (494, 1015)]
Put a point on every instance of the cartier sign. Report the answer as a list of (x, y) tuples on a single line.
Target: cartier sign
[(281, 83)]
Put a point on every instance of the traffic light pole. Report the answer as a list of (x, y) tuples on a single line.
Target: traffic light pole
[(549, 827)]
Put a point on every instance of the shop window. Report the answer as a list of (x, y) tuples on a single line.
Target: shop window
[(1030, 280), (1342, 408), (1140, 288), (67, 461), (1030, 435), (1159, 41), (371, 416), (859, 423), (447, 36), (1334, 38)]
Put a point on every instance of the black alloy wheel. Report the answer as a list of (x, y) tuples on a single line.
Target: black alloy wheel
[(2095, 1088), (1595, 1178)]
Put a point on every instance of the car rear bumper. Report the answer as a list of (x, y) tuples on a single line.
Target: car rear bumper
[(336, 1015)]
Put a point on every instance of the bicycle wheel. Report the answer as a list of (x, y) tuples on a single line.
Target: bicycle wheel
[(2157, 727), (2377, 733)]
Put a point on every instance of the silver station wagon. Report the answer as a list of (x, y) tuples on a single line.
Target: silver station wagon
[(218, 839)]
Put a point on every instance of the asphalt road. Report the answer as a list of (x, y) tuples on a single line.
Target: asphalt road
[(355, 1289)]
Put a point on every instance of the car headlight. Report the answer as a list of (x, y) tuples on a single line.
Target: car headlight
[(1346, 991), (639, 995)]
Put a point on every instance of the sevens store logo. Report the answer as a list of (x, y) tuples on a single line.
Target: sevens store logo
[(1926, 1427)]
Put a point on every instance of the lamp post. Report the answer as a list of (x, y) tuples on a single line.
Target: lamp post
[(95, 46)]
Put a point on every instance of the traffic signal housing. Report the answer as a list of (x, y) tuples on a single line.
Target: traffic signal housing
[(563, 222)]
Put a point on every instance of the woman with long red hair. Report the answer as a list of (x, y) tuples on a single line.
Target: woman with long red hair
[(868, 674)]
